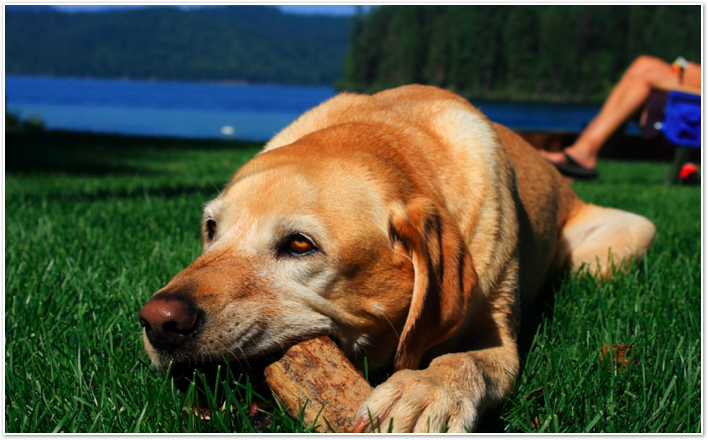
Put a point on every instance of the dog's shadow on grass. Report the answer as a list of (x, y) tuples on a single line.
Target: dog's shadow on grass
[(87, 154), (534, 315)]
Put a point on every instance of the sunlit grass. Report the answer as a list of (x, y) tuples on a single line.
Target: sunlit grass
[(655, 308)]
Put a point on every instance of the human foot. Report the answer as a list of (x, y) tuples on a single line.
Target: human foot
[(568, 165)]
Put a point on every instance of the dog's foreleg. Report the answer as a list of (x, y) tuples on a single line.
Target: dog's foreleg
[(450, 394)]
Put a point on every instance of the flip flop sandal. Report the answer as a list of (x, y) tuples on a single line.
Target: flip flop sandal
[(573, 169)]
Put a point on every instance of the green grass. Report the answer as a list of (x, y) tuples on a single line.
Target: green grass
[(655, 307), (95, 224)]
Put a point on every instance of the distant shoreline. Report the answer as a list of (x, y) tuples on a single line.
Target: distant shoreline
[(82, 137), (246, 83), (219, 82)]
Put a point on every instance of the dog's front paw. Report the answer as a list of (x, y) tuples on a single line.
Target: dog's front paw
[(417, 401)]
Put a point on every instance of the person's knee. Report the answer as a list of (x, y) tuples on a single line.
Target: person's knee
[(692, 75), (649, 69)]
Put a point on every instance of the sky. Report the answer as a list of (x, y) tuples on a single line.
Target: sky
[(340, 10)]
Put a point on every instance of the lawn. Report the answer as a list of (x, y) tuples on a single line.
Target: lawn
[(95, 224)]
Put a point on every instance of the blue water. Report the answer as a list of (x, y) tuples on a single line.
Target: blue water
[(206, 110)]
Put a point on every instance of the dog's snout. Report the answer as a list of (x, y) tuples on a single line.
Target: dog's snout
[(168, 322)]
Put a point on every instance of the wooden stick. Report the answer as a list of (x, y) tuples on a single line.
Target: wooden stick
[(316, 375)]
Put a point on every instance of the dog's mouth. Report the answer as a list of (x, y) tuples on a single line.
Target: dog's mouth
[(222, 384), (227, 383)]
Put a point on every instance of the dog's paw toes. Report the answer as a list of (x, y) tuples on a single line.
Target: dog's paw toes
[(415, 401)]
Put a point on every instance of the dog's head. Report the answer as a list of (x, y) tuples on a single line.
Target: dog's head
[(323, 236)]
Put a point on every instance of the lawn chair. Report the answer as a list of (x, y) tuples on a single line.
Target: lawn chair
[(675, 112)]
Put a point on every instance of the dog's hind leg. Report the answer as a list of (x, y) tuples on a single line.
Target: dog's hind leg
[(602, 239)]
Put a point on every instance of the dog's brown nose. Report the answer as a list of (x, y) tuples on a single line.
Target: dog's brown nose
[(168, 321)]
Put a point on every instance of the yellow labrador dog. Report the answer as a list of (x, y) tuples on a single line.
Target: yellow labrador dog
[(406, 226)]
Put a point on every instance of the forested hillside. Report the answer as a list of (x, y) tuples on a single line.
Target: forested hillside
[(561, 53), (233, 43), (522, 52)]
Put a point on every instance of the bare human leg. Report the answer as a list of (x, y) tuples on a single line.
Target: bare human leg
[(624, 100)]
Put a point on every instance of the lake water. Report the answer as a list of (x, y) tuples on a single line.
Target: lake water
[(206, 110)]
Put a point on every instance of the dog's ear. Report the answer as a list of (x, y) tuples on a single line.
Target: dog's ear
[(444, 277)]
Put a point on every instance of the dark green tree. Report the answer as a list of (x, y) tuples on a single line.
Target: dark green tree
[(519, 52), (520, 37)]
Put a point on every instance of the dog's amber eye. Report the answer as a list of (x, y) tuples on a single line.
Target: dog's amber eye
[(300, 245), (210, 229)]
